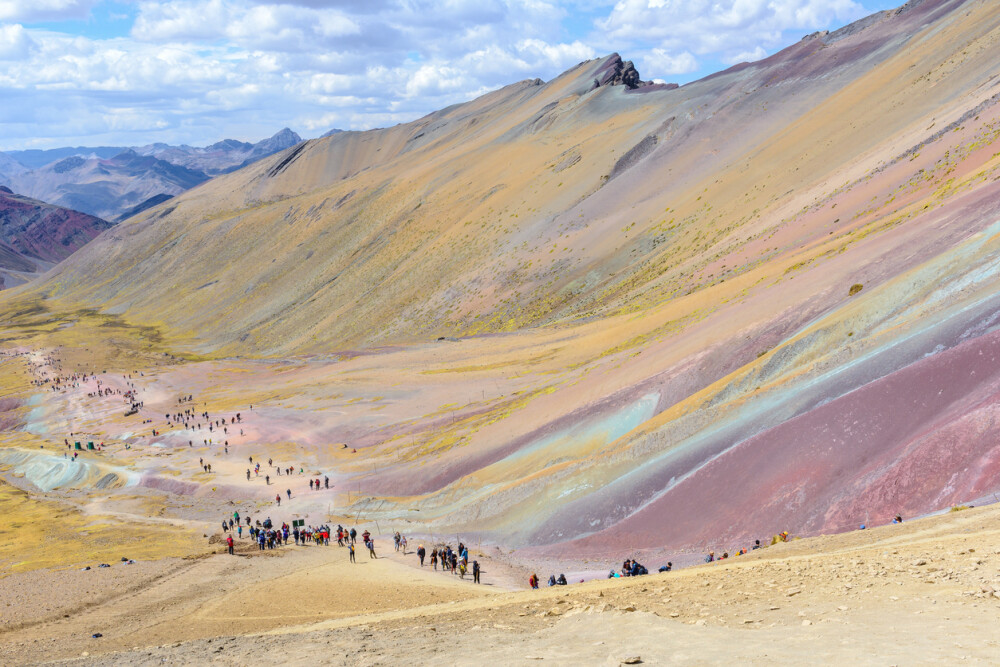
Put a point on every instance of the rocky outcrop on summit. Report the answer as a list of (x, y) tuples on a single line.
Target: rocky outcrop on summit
[(34, 236), (616, 72)]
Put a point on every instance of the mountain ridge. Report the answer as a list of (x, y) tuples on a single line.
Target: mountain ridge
[(34, 236)]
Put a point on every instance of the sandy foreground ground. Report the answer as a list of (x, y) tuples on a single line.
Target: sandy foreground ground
[(925, 592)]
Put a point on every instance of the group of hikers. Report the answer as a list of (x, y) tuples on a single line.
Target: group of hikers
[(349, 538), (191, 421), (454, 561), (314, 483), (780, 537), (631, 567), (553, 580), (267, 536)]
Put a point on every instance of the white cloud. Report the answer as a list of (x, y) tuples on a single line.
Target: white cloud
[(555, 55), (44, 10), (725, 28), (660, 61), (180, 20), (127, 118), (14, 42), (265, 26), (435, 80), (746, 56)]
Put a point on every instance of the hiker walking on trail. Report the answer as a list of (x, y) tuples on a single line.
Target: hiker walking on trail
[(277, 499), (371, 548), (420, 554), (475, 571), (229, 542), (350, 548)]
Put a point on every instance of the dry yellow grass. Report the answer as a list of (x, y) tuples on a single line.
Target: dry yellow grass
[(37, 534)]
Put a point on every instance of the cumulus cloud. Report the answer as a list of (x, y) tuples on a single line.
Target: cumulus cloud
[(746, 56), (269, 27), (44, 10), (14, 42), (662, 61), (731, 30)]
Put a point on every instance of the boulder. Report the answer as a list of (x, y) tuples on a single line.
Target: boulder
[(618, 72)]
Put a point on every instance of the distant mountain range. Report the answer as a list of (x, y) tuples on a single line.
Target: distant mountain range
[(114, 182), (34, 236)]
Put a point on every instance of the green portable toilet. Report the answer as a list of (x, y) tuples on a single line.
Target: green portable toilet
[(90, 445), (78, 445)]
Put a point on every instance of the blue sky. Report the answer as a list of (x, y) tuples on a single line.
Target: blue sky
[(131, 72)]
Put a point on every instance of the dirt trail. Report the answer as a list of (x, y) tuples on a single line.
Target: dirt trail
[(51, 614), (926, 591)]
